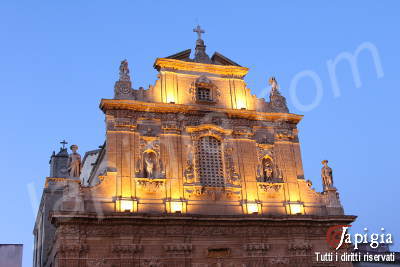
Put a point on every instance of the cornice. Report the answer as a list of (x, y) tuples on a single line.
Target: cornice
[(113, 104), (223, 70), (70, 217)]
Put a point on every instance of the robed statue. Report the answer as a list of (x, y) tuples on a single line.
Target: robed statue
[(74, 162), (150, 166), (326, 174)]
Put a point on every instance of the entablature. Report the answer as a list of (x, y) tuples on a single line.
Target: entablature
[(113, 104)]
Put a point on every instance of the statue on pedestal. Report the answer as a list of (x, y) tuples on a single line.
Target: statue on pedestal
[(274, 85), (268, 171), (326, 174), (277, 101), (149, 165), (124, 71), (74, 162)]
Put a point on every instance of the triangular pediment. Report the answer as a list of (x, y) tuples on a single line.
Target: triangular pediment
[(220, 59), (184, 55), (217, 58)]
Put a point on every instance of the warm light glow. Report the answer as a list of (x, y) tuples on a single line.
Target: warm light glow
[(241, 103), (176, 206), (252, 208), (126, 205), (296, 208), (170, 98)]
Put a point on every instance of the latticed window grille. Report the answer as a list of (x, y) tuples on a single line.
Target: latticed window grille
[(210, 161), (203, 94)]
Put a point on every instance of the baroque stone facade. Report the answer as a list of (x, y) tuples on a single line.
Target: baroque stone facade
[(195, 171)]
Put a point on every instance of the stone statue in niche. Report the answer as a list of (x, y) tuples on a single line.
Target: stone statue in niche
[(326, 174), (267, 169), (74, 162), (149, 163)]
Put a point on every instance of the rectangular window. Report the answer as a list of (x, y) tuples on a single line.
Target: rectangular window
[(203, 94)]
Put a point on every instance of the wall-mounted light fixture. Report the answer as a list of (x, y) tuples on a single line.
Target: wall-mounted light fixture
[(126, 204), (294, 208), (175, 205), (252, 207)]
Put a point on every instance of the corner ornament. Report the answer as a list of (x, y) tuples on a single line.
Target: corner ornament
[(123, 87), (326, 174), (277, 101)]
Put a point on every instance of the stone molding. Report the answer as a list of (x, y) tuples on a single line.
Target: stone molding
[(223, 70)]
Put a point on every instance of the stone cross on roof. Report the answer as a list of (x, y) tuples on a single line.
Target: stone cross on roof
[(63, 142), (199, 31)]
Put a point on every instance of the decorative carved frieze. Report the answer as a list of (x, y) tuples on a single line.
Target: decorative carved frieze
[(300, 248), (171, 127), (279, 261), (213, 193), (285, 132), (270, 187), (150, 185), (73, 249), (178, 249), (126, 249), (243, 132), (256, 249)]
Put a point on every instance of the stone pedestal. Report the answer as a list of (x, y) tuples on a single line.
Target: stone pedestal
[(333, 205)]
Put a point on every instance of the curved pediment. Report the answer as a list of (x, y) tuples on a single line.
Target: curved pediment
[(208, 128)]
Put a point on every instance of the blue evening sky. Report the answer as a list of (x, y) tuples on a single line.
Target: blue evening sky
[(59, 58)]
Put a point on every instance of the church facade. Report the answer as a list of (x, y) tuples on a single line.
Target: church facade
[(194, 171)]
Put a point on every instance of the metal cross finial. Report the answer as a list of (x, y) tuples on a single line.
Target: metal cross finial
[(63, 143), (199, 31)]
